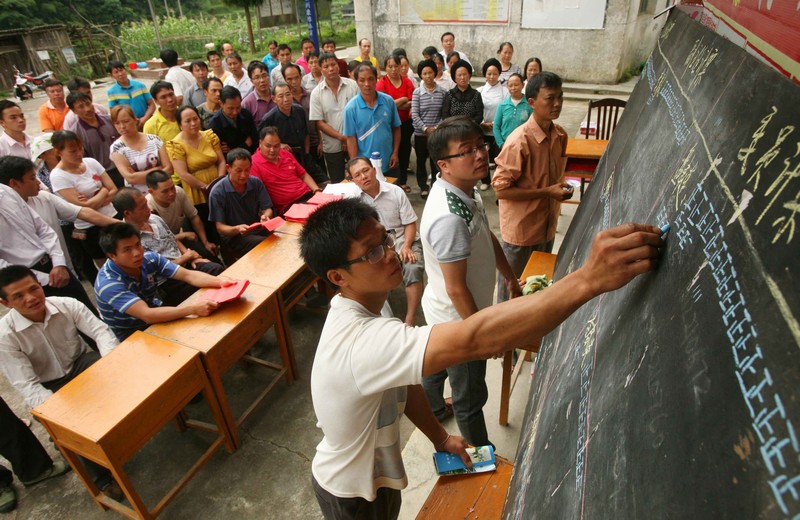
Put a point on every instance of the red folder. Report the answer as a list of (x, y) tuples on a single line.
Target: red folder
[(226, 294), (320, 198), (300, 212), (270, 225)]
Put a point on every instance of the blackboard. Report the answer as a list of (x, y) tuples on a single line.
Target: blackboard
[(678, 395)]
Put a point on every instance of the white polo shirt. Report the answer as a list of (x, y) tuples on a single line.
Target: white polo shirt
[(324, 106), (393, 206)]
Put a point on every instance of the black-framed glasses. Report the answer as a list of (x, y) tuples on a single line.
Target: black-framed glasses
[(375, 254), (474, 151)]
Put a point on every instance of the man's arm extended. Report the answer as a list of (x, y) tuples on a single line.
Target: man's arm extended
[(618, 255), (419, 412)]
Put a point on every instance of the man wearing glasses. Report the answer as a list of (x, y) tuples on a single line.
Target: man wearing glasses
[(461, 255), (368, 366)]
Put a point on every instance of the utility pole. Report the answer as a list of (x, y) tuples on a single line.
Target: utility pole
[(155, 23)]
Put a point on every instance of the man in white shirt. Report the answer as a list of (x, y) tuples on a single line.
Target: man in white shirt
[(181, 79), (449, 45), (41, 349), (14, 140), (51, 208), (28, 240), (398, 216), (368, 368)]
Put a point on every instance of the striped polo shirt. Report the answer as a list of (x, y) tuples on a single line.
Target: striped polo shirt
[(135, 94), (116, 291), (426, 108)]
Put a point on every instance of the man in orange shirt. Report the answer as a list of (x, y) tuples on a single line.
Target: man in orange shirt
[(52, 113), (529, 179)]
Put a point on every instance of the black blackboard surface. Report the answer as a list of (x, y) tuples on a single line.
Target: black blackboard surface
[(678, 396)]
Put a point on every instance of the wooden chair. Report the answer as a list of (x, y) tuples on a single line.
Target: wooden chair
[(608, 112)]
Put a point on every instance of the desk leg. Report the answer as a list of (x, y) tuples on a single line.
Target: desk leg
[(213, 396), (133, 497), (505, 388), (285, 341), (215, 378)]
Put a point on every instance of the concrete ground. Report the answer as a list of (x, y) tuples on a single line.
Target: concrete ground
[(269, 476)]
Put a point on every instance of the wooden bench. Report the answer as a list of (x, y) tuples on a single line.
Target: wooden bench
[(114, 407), (226, 336), (478, 496), (538, 263)]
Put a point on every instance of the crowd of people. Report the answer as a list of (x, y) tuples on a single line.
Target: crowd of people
[(149, 197)]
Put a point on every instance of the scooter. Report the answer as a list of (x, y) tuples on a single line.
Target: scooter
[(31, 79)]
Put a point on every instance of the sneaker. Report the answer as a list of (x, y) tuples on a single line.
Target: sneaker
[(484, 186), (8, 499), (59, 467), (113, 491), (424, 194)]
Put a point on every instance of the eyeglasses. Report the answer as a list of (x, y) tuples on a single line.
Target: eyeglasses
[(473, 151), (375, 254)]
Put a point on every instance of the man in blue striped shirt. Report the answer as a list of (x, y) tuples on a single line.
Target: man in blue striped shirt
[(126, 285), (126, 91)]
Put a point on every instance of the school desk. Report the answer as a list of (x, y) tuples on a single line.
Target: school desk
[(117, 405), (583, 155)]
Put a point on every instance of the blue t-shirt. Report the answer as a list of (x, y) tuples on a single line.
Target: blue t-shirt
[(228, 206), (372, 127), (135, 94), (116, 291)]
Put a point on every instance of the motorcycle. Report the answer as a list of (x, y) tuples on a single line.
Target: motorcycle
[(30, 79)]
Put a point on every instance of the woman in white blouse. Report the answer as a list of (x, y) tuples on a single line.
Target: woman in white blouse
[(492, 94), (135, 154)]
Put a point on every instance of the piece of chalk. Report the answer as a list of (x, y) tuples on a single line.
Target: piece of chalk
[(665, 229)]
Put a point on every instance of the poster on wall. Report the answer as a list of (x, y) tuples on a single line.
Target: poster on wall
[(563, 14), (454, 11)]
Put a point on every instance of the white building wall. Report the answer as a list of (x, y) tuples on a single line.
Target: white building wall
[(588, 55)]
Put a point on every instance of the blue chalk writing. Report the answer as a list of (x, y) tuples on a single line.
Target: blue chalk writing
[(675, 112)]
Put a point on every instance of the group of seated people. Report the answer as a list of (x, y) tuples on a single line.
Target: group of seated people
[(149, 197)]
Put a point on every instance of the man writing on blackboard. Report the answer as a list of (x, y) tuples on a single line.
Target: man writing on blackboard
[(529, 180), (368, 368)]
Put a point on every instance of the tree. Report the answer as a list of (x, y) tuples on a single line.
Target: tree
[(246, 4)]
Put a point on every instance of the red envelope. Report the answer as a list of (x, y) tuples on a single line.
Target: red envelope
[(270, 225), (300, 212), (320, 198), (226, 294)]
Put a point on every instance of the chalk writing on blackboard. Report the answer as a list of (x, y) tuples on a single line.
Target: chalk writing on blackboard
[(585, 351), (697, 62), (682, 176)]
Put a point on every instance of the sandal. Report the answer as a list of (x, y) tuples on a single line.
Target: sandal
[(424, 194), (406, 188)]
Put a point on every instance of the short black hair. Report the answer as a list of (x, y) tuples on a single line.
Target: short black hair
[(543, 79), (13, 168), (312, 54), (460, 64), (238, 154), (207, 82), (516, 75), (353, 65), (451, 129), (160, 85), (283, 47), (229, 92), (125, 199), (393, 57), (531, 60), (156, 177), (114, 64), (448, 33), (427, 63), (325, 56), (200, 64), (453, 54), (5, 104), (62, 137), (256, 65), (325, 239), (234, 55), (76, 83), (271, 42), (327, 41), (113, 233), (75, 96), (213, 52), (169, 57), (401, 52), (51, 82), (268, 130), (355, 160), (500, 49), (305, 41), (183, 109), (429, 51), (491, 62), (365, 65), (11, 274), (288, 66)]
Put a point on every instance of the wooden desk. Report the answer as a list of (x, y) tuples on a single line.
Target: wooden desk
[(538, 263), (114, 407), (225, 337), (290, 228), (583, 155), (475, 496)]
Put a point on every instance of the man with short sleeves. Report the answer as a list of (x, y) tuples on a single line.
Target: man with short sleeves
[(284, 58), (326, 108), (14, 140), (194, 95), (180, 78), (259, 101), (285, 179), (399, 218), (126, 91), (96, 131), (529, 179), (448, 46), (126, 284), (238, 201), (371, 121), (52, 113), (164, 122)]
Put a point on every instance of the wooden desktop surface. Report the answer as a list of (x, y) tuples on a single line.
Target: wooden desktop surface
[(272, 263), (586, 148)]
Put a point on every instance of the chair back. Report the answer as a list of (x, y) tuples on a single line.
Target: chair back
[(214, 183), (608, 110)]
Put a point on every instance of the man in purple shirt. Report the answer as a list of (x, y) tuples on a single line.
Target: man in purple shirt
[(258, 102)]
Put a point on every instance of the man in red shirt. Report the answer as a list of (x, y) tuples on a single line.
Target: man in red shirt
[(286, 180)]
